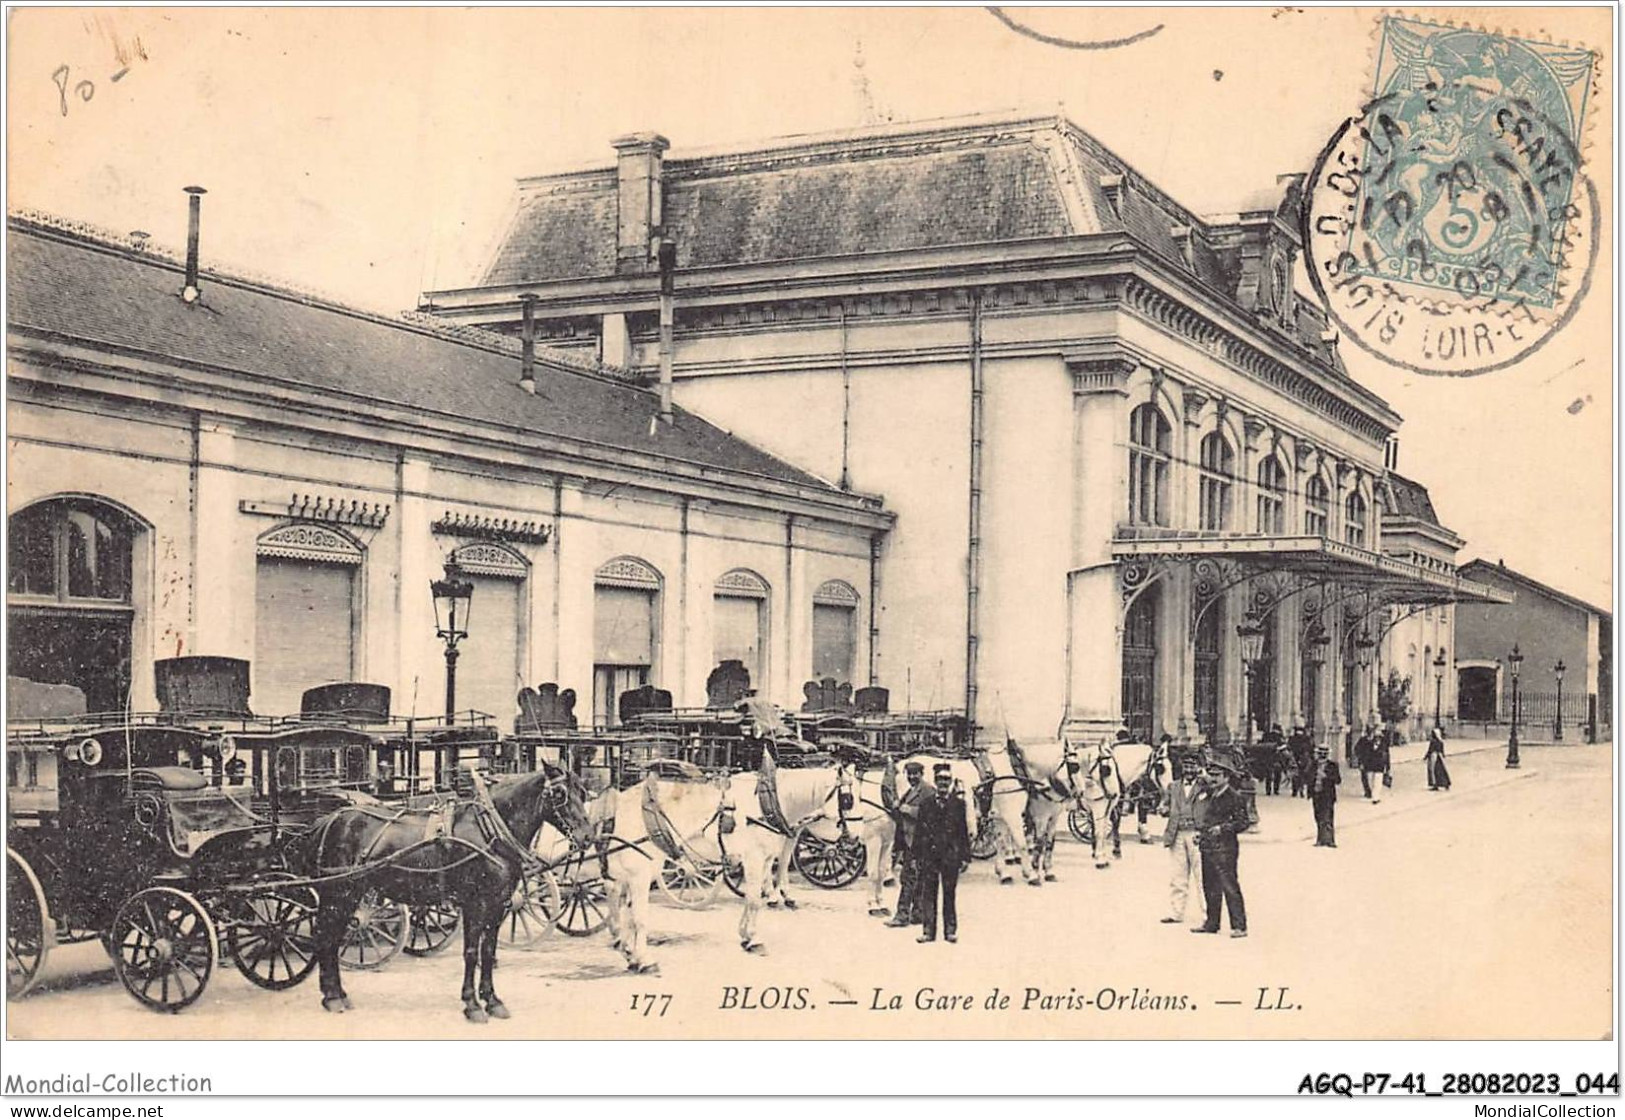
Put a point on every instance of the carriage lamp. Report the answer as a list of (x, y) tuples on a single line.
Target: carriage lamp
[(1250, 630), (453, 597), (1438, 687), (1514, 659), (1557, 726)]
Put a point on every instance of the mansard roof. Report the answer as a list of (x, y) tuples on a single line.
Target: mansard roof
[(69, 284), (980, 182)]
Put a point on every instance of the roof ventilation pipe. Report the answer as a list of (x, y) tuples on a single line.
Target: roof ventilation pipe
[(194, 217), (667, 256), (527, 340)]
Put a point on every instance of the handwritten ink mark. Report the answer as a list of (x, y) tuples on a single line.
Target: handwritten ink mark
[(1071, 44), (1218, 75), (85, 89), (1579, 403), (120, 74)]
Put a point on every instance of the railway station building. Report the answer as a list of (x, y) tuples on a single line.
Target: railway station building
[(1133, 481), (208, 464)]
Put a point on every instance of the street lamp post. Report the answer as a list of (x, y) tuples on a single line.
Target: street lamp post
[(1251, 632), (1438, 687), (1514, 659), (1557, 730), (453, 597)]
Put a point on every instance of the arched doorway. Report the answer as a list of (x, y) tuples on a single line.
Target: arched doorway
[(1140, 664), (1209, 643), (69, 604)]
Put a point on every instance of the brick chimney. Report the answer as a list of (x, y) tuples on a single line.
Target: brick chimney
[(638, 167)]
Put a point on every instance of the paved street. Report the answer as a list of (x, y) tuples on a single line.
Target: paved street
[(1483, 912)]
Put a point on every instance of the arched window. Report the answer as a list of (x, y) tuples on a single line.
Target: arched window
[(1316, 507), (1354, 520), (1148, 456), (69, 605), (1217, 478), (739, 624), (1271, 497), (835, 631), (625, 633)]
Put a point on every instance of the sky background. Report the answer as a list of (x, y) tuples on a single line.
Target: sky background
[(370, 154)]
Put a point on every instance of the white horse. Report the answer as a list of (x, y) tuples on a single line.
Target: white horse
[(862, 802), (1119, 776), (718, 821), (1055, 785), (1011, 804)]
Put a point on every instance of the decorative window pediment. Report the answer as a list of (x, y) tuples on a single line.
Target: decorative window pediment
[(835, 593), (742, 583), (305, 541), (491, 560), (628, 571)]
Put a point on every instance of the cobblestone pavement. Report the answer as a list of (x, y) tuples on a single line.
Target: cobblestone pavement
[(1483, 912)]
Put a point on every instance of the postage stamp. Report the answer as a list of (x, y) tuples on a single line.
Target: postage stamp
[(1450, 226)]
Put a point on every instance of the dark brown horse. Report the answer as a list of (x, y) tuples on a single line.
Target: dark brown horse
[(463, 853)]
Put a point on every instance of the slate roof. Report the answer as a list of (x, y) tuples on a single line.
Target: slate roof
[(902, 187), (80, 289), (1411, 500)]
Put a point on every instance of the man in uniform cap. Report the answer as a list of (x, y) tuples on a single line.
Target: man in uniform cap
[(942, 842), (1221, 816), (907, 814), (1323, 783)]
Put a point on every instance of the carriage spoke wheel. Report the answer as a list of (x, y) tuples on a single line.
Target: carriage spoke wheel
[(535, 905), (271, 933), (164, 948), (30, 931), (734, 877), (689, 885), (584, 909), (431, 928), (985, 844), (1081, 823), (377, 931), (830, 864)]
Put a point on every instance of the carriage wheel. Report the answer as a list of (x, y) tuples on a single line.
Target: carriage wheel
[(1081, 823), (378, 930), (431, 928), (985, 844), (271, 934), (535, 904), (30, 932), (585, 906), (164, 948), (689, 885), (830, 864)]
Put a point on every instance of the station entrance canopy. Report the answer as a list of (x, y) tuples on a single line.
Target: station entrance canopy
[(1320, 573)]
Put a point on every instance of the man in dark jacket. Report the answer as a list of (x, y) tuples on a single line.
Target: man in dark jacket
[(1221, 815), (942, 843), (907, 814), (1323, 783)]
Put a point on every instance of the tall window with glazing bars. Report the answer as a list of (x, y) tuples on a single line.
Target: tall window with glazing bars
[(1217, 478), (1354, 520), (1315, 507), (1148, 457), (1271, 497)]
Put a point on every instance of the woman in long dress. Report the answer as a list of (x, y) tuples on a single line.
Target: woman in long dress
[(1438, 776)]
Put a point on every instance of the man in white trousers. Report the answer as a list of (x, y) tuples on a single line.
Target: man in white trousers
[(1186, 858)]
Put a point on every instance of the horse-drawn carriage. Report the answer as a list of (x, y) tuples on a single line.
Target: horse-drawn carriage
[(165, 834)]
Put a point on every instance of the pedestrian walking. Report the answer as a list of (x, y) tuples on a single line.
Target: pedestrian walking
[(1179, 806), (1221, 816), (1365, 753), (1377, 776), (1270, 760), (1303, 761), (1438, 775), (943, 843), (908, 818), (1323, 785)]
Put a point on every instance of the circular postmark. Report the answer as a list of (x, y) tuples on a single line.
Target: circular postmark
[(1448, 228)]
